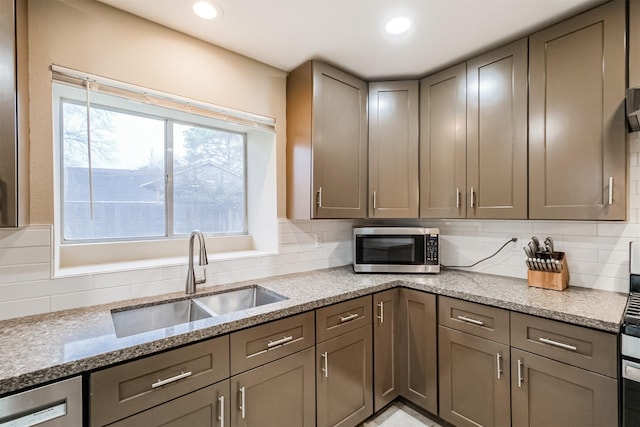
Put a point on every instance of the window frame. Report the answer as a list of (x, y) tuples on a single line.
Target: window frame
[(169, 117)]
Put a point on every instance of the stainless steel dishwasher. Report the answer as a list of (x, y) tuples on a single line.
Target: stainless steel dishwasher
[(54, 405)]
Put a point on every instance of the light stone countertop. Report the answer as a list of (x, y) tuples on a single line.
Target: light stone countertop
[(38, 349)]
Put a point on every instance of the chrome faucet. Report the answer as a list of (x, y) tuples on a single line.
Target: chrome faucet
[(192, 281)]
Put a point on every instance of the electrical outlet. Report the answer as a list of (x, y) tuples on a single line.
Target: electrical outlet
[(514, 241), (317, 237)]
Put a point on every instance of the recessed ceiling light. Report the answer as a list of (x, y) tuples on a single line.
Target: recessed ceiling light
[(206, 10), (398, 25)]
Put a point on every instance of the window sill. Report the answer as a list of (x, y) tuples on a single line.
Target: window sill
[(124, 266)]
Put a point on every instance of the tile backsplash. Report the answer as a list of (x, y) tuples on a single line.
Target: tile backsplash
[(597, 254)]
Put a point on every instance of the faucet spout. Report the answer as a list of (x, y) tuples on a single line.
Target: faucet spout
[(192, 280)]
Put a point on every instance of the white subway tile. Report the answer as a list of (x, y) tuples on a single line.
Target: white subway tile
[(25, 255), (548, 228), (93, 297), (27, 307), (294, 227), (508, 227), (619, 230), (44, 288), (24, 273), (110, 280), (156, 288), (25, 237), (613, 284), (246, 274)]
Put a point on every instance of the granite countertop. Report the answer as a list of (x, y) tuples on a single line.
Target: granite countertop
[(42, 348)]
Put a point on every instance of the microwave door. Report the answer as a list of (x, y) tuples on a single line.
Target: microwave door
[(391, 250)]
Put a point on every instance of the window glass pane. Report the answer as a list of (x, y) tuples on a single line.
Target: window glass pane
[(127, 160), (208, 180)]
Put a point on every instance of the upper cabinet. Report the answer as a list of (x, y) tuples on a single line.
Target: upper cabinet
[(577, 146), (473, 140), (443, 144), (497, 133), (393, 149), (326, 143)]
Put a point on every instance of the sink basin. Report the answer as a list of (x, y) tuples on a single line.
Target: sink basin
[(144, 319), (137, 320), (240, 299)]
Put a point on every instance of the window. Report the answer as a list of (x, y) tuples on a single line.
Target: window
[(147, 172)]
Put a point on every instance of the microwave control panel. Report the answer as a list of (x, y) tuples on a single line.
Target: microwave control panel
[(432, 249)]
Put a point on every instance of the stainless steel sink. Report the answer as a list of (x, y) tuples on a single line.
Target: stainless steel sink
[(240, 299), (137, 320), (150, 318)]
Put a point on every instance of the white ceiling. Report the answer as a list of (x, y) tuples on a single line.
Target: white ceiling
[(350, 33)]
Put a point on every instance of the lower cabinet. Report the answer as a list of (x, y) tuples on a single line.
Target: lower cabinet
[(546, 392), (386, 346), (280, 393), (417, 349), (474, 380), (207, 407), (344, 379)]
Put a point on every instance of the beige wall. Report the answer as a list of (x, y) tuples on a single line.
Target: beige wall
[(95, 38)]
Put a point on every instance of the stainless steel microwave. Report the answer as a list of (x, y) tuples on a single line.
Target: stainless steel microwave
[(396, 250)]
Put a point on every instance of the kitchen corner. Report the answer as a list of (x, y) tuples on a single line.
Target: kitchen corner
[(42, 348)]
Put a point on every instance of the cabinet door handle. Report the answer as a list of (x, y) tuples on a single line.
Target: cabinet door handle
[(520, 379), (381, 308), (473, 198), (180, 376), (457, 198), (470, 320), (348, 317), (319, 200), (558, 344), (499, 364), (221, 417), (375, 201), (610, 190), (242, 403), (281, 341), (325, 364)]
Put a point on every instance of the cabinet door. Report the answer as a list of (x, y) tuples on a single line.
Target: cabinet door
[(546, 392), (344, 383), (443, 144), (207, 407), (393, 149), (280, 393), (497, 133), (386, 362), (474, 380), (418, 349), (326, 143), (577, 128)]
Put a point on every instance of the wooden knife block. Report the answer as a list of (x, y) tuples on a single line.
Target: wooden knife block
[(550, 280)]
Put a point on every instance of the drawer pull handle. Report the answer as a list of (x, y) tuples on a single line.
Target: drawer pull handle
[(470, 320), (499, 364), (180, 376), (221, 417), (558, 344), (325, 364), (520, 379), (281, 341), (242, 405), (381, 307), (349, 317)]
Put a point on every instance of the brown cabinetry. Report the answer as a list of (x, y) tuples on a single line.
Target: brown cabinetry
[(207, 407), (326, 143), (570, 380), (393, 149), (133, 387), (473, 348), (418, 349), (386, 348), (344, 360), (577, 130), (280, 393), (473, 137)]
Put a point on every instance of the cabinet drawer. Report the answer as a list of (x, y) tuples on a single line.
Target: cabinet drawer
[(476, 319), (133, 387), (343, 317), (264, 343), (576, 345)]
